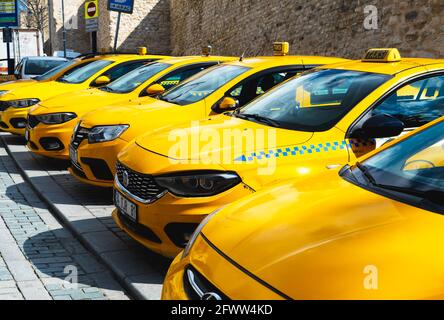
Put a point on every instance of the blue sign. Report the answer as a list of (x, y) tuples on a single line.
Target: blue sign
[(124, 6), (8, 13)]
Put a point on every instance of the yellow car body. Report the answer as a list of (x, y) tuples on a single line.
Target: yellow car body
[(48, 76), (369, 233), (192, 170), (13, 119), (132, 86), (145, 115)]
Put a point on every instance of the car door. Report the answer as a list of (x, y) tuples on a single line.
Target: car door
[(415, 103)]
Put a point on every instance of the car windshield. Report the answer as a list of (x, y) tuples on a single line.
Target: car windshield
[(202, 84), (82, 74), (51, 73), (40, 66), (414, 166), (135, 78), (315, 101)]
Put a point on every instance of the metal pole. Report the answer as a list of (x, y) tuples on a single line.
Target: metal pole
[(63, 28), (117, 31), (50, 25)]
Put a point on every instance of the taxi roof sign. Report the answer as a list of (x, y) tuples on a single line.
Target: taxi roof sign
[(281, 48), (206, 51), (382, 55), (143, 51)]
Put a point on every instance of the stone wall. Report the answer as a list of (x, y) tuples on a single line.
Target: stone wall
[(325, 27), (147, 26)]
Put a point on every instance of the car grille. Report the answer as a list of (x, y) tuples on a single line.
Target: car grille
[(32, 121), (198, 288), (78, 136), (140, 186), (4, 105)]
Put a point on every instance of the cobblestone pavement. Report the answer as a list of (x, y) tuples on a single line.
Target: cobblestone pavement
[(86, 210), (39, 258)]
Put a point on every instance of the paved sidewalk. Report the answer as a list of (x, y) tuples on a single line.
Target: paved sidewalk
[(86, 211), (39, 259)]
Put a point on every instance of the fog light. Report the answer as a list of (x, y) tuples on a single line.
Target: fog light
[(18, 123), (51, 144)]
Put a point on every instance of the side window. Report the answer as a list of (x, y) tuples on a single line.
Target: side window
[(122, 69), (416, 103), (177, 76), (256, 86)]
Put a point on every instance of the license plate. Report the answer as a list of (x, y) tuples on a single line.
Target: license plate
[(27, 135), (73, 155), (125, 206)]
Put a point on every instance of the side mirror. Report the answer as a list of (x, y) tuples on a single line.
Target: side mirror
[(155, 89), (102, 80), (379, 126), (228, 103)]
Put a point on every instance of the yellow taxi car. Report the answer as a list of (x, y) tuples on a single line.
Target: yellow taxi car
[(51, 75), (95, 71), (169, 180), (375, 231), (103, 133), (49, 133)]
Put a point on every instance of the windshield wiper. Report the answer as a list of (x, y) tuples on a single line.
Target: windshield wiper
[(258, 118), (62, 80), (108, 89), (434, 196), (366, 173)]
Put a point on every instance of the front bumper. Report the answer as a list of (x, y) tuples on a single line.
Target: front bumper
[(14, 120), (96, 163), (172, 219), (217, 275), (51, 140)]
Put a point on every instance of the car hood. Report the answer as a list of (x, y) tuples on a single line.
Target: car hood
[(82, 101), (11, 85), (41, 91), (315, 239), (215, 129), (123, 113)]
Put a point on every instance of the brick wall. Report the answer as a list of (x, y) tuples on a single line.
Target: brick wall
[(333, 27)]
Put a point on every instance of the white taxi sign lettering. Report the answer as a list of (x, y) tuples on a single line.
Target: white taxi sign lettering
[(281, 48), (382, 55)]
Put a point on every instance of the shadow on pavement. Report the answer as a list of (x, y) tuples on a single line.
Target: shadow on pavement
[(57, 254), (83, 195)]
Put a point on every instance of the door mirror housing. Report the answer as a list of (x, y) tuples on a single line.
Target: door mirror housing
[(379, 126), (155, 89), (102, 80), (228, 103)]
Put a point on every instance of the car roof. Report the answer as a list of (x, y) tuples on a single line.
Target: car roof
[(44, 58), (390, 68), (197, 59), (267, 61), (128, 57)]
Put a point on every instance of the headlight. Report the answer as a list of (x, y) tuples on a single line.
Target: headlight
[(199, 184), (23, 103), (196, 233), (56, 118), (2, 92), (106, 133)]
